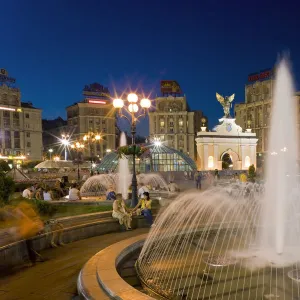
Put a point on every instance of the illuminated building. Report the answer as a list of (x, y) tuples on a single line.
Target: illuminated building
[(20, 122), (95, 113), (173, 122), (255, 113)]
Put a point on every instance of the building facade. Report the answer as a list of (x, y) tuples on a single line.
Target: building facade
[(255, 113), (94, 114), (174, 124), (20, 122)]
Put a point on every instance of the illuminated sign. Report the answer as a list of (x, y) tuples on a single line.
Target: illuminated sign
[(5, 78), (170, 87), (94, 101), (7, 108), (263, 75)]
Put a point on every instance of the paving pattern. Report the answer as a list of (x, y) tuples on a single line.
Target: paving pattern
[(56, 278)]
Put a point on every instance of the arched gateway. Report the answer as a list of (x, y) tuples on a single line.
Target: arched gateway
[(227, 142)]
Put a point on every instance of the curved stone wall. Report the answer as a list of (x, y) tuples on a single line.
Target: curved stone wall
[(99, 278)]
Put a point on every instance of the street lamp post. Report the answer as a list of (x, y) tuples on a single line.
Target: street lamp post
[(50, 151), (133, 108), (78, 147), (66, 143)]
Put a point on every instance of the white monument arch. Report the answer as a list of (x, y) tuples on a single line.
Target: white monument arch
[(227, 142)]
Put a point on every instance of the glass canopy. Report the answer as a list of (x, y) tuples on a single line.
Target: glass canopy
[(155, 159)]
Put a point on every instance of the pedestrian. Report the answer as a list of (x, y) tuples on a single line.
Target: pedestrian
[(198, 180)]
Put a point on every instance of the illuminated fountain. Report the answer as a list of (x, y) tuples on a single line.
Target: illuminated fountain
[(120, 182), (237, 242)]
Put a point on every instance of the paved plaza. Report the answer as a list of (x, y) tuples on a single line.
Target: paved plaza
[(56, 278)]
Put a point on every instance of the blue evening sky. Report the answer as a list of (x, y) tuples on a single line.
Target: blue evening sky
[(53, 48)]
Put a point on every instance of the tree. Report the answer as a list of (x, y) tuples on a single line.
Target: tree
[(7, 187), (251, 173), (4, 167)]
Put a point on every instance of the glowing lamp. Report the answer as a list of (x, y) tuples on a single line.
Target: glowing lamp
[(108, 150), (72, 146), (85, 138), (133, 108), (145, 103), (65, 142), (132, 98), (157, 143), (97, 137), (118, 103), (81, 146), (50, 150)]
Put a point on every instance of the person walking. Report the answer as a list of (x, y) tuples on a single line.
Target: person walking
[(198, 180)]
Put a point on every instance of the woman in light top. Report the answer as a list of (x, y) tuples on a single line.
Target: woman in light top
[(74, 193), (121, 212), (47, 195)]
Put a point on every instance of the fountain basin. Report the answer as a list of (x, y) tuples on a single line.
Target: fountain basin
[(99, 277)]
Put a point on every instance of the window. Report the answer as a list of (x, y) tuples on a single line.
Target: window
[(180, 122), (28, 144), (7, 139), (162, 123), (28, 134), (6, 114), (27, 116), (91, 121), (17, 134), (171, 130), (103, 122)]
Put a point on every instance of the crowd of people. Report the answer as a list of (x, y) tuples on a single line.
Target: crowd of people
[(61, 189)]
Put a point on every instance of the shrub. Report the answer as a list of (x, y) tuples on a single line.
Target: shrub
[(251, 173), (43, 207), (7, 187), (4, 167)]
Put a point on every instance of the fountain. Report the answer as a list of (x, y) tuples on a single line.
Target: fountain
[(235, 242), (97, 185)]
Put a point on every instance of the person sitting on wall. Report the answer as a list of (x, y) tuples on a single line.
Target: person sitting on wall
[(39, 194), (173, 187), (144, 208), (111, 195), (27, 193), (121, 212), (47, 194), (74, 193), (142, 190)]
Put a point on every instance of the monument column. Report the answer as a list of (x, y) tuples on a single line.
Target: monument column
[(216, 156), (253, 155), (243, 157), (205, 156)]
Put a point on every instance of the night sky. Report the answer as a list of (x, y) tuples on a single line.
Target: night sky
[(53, 48)]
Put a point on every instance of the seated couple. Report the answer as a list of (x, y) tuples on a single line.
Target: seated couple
[(124, 214)]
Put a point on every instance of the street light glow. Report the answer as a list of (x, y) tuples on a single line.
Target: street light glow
[(157, 143), (133, 108), (132, 98), (145, 103), (50, 150), (97, 137), (118, 103), (65, 142)]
